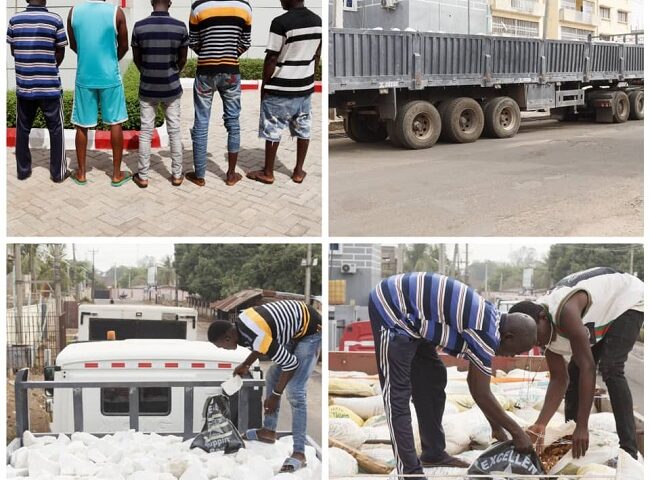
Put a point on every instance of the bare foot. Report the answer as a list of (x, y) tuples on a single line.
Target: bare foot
[(233, 178), (261, 176), (298, 176), (120, 177), (78, 176)]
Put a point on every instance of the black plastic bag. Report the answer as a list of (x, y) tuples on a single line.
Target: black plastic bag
[(218, 431), (502, 457)]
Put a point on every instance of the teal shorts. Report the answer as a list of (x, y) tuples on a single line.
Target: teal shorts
[(87, 101)]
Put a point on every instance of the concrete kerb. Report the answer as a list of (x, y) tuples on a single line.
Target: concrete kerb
[(100, 140)]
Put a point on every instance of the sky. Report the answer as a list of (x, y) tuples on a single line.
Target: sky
[(107, 255), (499, 252)]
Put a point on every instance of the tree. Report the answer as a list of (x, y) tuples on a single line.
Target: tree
[(421, 257), (564, 259), (217, 270)]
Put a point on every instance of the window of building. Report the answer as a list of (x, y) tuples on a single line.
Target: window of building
[(514, 27), (622, 16), (570, 33), (604, 13), (570, 4)]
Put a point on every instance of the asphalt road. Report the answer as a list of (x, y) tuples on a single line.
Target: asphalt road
[(552, 179)]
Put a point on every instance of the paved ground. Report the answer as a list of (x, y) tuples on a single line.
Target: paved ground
[(37, 207), (552, 179)]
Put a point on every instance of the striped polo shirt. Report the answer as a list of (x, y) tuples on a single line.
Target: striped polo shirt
[(35, 34), (443, 311), (220, 32), (269, 328), (295, 37), (159, 37)]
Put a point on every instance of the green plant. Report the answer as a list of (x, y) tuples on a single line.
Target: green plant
[(249, 69), (131, 82)]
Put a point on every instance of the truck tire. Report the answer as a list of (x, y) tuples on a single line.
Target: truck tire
[(636, 105), (417, 125), (620, 107), (502, 117), (462, 120), (364, 128)]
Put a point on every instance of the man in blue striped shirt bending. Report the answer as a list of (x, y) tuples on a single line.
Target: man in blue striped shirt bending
[(412, 316), (160, 45), (37, 39)]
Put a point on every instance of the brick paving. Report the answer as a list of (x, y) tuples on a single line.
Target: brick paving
[(38, 207)]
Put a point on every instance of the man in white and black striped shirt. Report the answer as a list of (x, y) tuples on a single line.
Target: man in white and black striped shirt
[(292, 54), (289, 333)]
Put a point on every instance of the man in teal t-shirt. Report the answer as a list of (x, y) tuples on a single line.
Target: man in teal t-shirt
[(98, 35)]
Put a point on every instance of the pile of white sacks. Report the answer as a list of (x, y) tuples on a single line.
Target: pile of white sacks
[(131, 455), (357, 419)]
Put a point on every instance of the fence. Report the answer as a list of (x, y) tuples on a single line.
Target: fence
[(203, 307), (34, 338)]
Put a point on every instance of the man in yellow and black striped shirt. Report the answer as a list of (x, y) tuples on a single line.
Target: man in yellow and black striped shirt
[(289, 333)]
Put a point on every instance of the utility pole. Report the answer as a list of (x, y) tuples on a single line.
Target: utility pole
[(466, 263), (486, 277), (92, 285), (19, 292), (77, 292), (57, 280), (399, 266), (631, 259), (441, 258), (115, 281), (547, 8), (308, 275), (176, 286)]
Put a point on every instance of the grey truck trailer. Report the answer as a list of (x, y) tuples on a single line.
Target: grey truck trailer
[(415, 87)]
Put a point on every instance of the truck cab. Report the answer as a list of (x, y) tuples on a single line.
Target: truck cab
[(130, 321), (106, 410)]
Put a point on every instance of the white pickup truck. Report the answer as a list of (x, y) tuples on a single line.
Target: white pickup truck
[(161, 409)]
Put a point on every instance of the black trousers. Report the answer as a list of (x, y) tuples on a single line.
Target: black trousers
[(610, 355), (410, 368), (26, 113)]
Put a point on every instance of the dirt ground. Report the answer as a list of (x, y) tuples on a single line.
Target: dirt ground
[(39, 418)]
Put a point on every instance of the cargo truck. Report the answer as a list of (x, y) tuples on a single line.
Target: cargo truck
[(416, 87)]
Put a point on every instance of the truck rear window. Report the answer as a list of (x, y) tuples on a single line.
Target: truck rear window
[(153, 401)]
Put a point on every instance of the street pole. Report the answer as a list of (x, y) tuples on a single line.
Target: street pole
[(399, 267), (18, 289), (466, 263), (57, 282), (441, 258), (176, 286), (631, 259), (486, 277), (92, 285), (308, 275), (77, 292)]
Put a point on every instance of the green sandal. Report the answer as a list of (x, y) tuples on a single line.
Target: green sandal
[(127, 178)]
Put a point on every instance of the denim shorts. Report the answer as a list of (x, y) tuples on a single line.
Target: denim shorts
[(279, 112)]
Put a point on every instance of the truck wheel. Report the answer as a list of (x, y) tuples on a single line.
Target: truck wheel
[(620, 107), (636, 105), (393, 134), (502, 117), (417, 125), (364, 128), (462, 120)]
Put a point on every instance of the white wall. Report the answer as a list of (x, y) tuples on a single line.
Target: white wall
[(263, 13)]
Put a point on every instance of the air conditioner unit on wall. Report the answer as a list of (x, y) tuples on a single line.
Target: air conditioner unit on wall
[(348, 268), (350, 5)]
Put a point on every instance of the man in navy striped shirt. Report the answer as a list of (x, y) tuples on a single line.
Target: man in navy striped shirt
[(37, 39), (160, 45), (412, 316)]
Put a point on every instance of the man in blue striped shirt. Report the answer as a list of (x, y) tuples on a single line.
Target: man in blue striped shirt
[(37, 39), (412, 316), (160, 45)]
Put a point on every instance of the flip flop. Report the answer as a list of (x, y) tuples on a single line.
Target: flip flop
[(77, 181), (448, 461), (301, 180), (251, 434), (292, 465), (126, 179), (252, 175)]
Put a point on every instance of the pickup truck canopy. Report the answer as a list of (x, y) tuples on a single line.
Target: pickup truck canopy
[(147, 350)]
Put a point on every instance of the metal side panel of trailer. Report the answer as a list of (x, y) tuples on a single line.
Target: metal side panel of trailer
[(373, 59)]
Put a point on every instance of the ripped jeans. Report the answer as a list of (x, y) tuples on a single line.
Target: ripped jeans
[(229, 87)]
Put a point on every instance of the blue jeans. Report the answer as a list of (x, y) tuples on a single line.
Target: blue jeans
[(229, 87), (306, 351)]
